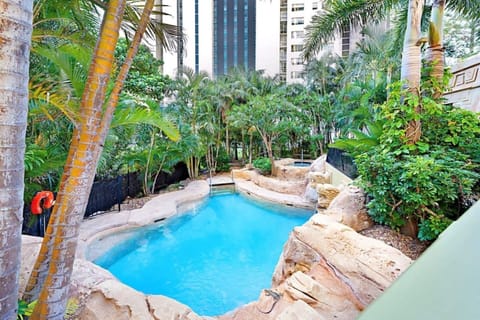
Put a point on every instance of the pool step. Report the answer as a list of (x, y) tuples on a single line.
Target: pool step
[(223, 189), (218, 183)]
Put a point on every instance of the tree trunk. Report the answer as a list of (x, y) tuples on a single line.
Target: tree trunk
[(51, 274), (250, 147), (15, 35), (435, 52), (411, 63), (272, 160), (53, 268), (227, 140)]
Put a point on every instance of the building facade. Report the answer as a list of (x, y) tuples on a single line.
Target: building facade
[(253, 34)]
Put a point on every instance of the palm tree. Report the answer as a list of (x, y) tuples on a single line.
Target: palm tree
[(188, 100), (16, 21), (50, 278)]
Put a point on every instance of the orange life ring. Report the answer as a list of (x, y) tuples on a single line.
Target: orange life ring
[(48, 202)]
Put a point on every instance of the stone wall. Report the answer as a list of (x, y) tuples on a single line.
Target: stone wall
[(465, 85)]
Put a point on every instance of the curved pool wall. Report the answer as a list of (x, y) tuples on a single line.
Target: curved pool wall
[(159, 208), (204, 256)]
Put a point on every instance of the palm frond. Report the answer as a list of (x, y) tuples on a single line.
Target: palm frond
[(166, 34), (139, 115), (43, 98), (470, 9), (73, 61), (341, 15)]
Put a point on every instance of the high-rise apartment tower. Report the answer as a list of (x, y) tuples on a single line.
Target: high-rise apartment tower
[(253, 34)]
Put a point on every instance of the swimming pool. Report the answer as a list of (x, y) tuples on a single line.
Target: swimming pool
[(213, 258)]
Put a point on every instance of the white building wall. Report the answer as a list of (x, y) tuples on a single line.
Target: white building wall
[(189, 29), (267, 49), (205, 13), (169, 57)]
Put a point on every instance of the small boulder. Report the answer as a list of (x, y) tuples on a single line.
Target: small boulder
[(326, 194), (310, 194), (320, 164), (116, 301), (349, 208), (165, 308), (299, 310), (319, 177)]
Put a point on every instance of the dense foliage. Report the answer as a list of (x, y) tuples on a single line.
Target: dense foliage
[(263, 164), (428, 182)]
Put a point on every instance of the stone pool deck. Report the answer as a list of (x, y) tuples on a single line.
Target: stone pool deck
[(253, 190)]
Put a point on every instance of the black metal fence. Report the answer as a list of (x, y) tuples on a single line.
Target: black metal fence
[(343, 162), (104, 195)]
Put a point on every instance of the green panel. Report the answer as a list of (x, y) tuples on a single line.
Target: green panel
[(443, 284)]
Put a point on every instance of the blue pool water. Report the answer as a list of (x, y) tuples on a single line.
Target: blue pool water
[(213, 258), (301, 164)]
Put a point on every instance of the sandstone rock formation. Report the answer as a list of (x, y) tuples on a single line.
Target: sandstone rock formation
[(326, 194), (339, 270), (326, 271), (319, 165), (348, 207), (295, 187), (95, 294)]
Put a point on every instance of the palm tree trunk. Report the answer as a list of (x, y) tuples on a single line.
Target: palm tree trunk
[(250, 148), (123, 73), (411, 63), (53, 268), (15, 35), (435, 51), (147, 166), (227, 140)]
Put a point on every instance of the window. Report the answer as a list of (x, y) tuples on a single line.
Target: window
[(298, 34), (297, 7), (296, 75), (297, 61), (297, 47), (315, 6), (297, 21), (345, 41)]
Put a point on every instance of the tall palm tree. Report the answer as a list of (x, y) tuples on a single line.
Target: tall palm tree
[(189, 96), (51, 274), (16, 21)]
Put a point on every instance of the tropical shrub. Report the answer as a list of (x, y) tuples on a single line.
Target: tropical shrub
[(426, 181), (263, 164), (223, 161)]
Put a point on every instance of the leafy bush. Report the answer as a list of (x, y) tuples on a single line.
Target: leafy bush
[(263, 164), (424, 181), (223, 161)]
